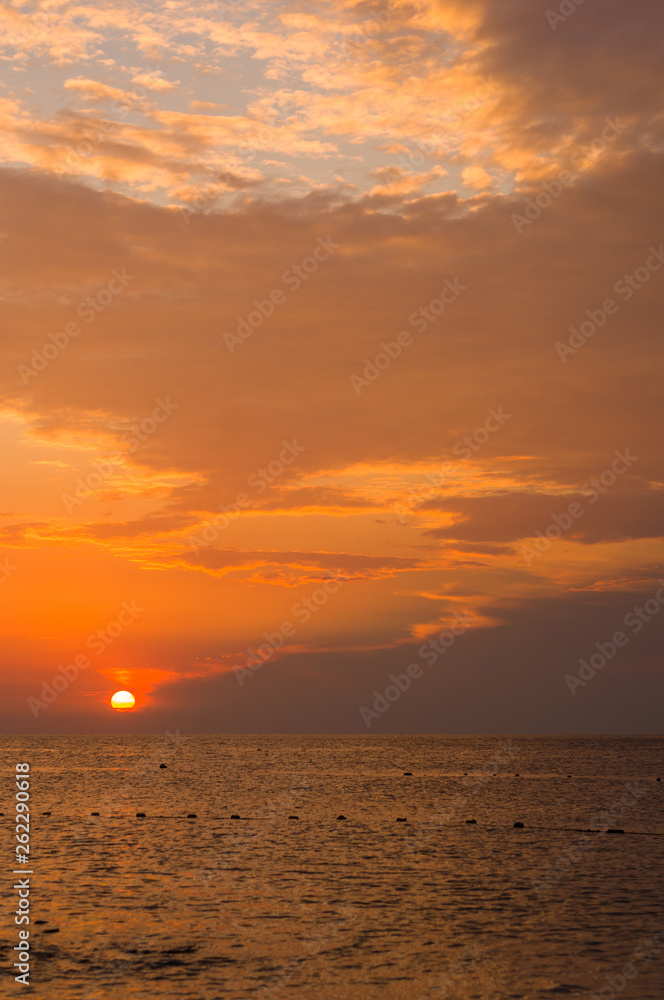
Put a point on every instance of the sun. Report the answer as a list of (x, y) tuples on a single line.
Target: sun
[(123, 701)]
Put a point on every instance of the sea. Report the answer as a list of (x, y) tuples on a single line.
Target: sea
[(351, 867)]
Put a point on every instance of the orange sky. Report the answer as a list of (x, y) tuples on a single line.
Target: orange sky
[(329, 326)]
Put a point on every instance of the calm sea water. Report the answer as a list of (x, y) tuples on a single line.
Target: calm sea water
[(271, 907)]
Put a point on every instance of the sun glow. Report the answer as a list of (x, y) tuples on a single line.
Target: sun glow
[(123, 701)]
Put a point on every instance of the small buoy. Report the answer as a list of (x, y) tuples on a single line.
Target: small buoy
[(46, 814), (341, 817), (518, 825), (162, 766), (191, 816), (615, 831), (235, 816), (408, 774), (471, 821), (94, 814), (140, 815), (293, 817), (401, 819)]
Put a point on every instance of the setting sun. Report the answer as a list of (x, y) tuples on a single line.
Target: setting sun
[(123, 701)]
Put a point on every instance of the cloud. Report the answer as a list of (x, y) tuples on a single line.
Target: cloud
[(154, 81), (476, 177), (177, 308), (350, 565), (471, 688), (605, 518), (344, 78), (407, 147)]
